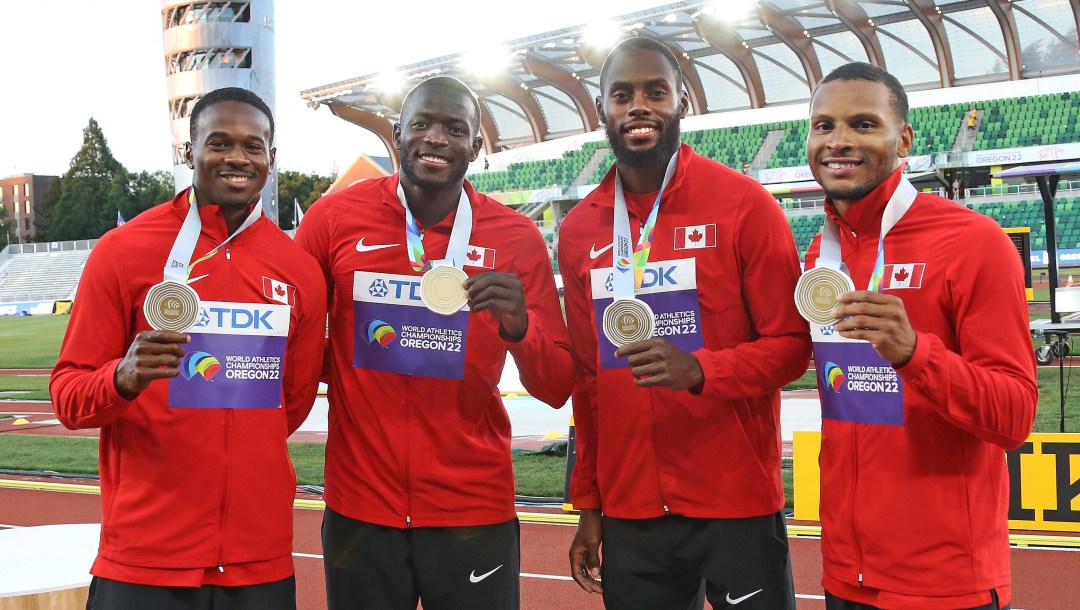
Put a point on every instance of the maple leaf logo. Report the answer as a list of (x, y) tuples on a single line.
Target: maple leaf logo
[(279, 291), (473, 255), (901, 275), (696, 236)]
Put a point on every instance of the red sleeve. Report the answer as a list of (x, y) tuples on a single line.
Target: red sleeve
[(82, 385), (584, 492), (988, 385), (313, 235), (304, 354), (544, 359), (769, 268)]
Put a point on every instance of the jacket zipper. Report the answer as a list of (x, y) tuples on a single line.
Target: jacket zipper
[(656, 453), (855, 471), (408, 454), (225, 475)]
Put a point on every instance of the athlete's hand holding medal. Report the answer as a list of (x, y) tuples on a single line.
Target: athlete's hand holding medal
[(504, 296)]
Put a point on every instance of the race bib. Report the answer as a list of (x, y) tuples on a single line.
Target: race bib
[(856, 384), (235, 358), (396, 333), (670, 289)]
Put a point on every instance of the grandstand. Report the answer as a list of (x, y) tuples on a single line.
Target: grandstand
[(33, 276)]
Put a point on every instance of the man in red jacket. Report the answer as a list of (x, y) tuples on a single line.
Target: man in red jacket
[(926, 371), (431, 285), (678, 435), (196, 483)]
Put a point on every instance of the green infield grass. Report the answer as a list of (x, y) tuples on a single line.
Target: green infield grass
[(24, 387), (31, 342)]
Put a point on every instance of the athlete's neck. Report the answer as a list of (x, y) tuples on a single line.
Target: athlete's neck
[(641, 180), (429, 206)]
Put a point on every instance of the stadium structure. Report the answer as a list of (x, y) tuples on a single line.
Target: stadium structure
[(750, 67), (210, 45)]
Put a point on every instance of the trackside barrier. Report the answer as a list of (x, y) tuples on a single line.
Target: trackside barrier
[(1044, 490)]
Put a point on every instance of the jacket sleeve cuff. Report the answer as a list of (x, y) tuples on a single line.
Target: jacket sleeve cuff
[(531, 338), (586, 501), (114, 396), (708, 376), (919, 359)]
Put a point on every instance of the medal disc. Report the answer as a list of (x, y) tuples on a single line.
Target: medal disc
[(171, 306), (441, 289), (817, 291), (627, 321)]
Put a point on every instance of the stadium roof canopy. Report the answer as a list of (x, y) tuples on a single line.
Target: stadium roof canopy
[(736, 54)]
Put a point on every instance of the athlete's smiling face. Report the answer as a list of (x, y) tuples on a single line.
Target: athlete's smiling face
[(437, 137), (857, 138), (231, 154), (641, 105)]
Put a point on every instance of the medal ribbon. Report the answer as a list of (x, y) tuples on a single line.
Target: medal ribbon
[(623, 284), (459, 234), (900, 202), (177, 267)]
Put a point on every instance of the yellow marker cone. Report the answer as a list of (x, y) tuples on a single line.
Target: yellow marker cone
[(511, 396), (22, 421), (554, 436)]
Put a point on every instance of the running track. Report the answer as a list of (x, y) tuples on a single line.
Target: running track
[(1042, 578)]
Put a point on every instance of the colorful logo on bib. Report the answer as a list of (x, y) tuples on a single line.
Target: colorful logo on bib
[(380, 332), (622, 264), (834, 376), (199, 363)]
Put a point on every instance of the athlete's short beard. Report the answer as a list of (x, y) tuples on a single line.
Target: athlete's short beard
[(658, 155)]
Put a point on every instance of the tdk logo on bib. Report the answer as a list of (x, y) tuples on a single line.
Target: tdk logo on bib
[(242, 319), (387, 288), (659, 276)]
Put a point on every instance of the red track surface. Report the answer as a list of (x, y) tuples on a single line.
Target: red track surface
[(1042, 579)]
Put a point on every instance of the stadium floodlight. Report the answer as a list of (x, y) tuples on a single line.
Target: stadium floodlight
[(485, 61), (731, 11), (390, 81), (603, 34)]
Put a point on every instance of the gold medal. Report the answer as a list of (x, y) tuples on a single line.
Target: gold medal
[(171, 306), (627, 321), (817, 291), (441, 289)]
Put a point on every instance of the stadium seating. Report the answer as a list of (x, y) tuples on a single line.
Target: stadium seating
[(51, 276), (1004, 123)]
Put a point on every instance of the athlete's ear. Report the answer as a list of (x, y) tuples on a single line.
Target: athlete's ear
[(188, 160)]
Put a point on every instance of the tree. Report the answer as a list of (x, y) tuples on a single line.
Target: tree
[(147, 189), (81, 209), (304, 188)]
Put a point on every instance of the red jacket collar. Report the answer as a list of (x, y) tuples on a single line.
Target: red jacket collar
[(390, 198), (213, 222), (864, 216), (606, 189)]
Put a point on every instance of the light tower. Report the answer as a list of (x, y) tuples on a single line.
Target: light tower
[(210, 45)]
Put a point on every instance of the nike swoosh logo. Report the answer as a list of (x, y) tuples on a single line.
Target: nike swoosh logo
[(593, 252), (362, 247), (739, 600), (473, 578), (192, 280)]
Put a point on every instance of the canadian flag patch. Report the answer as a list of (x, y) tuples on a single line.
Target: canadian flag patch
[(695, 236), (279, 291), (475, 256), (907, 275)]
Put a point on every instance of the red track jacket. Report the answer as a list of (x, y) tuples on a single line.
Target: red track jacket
[(186, 490), (642, 453), (408, 450), (920, 510)]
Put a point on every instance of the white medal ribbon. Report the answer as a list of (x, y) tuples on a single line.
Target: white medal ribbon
[(459, 234), (179, 261), (622, 280)]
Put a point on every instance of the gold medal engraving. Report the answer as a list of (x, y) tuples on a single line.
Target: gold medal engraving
[(817, 291), (627, 321), (441, 290), (171, 306)]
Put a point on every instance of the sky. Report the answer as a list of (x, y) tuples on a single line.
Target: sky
[(65, 61)]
